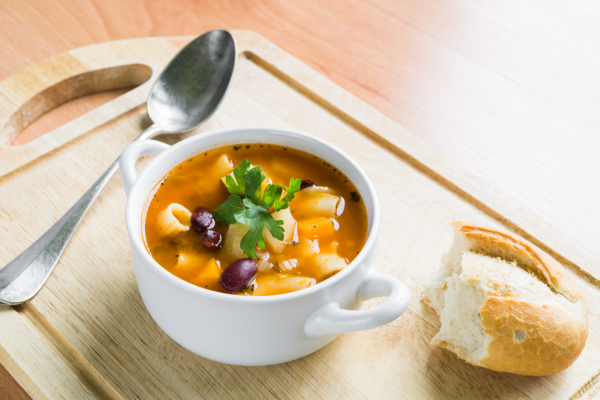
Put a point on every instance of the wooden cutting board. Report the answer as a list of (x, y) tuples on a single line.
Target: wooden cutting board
[(88, 335)]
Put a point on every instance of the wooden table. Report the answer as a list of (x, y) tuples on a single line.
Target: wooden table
[(508, 89)]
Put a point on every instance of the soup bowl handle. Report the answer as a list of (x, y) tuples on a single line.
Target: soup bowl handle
[(330, 319), (131, 154)]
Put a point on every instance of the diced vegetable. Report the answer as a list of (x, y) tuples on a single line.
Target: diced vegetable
[(235, 231), (185, 264), (209, 277), (189, 264), (313, 190), (329, 263), (317, 201), (264, 265), (288, 264), (271, 284), (304, 249), (236, 249), (262, 254), (316, 228), (323, 204), (289, 223), (330, 247)]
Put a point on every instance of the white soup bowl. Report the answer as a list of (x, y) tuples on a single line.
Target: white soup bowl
[(245, 330)]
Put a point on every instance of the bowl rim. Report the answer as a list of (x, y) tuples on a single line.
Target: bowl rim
[(210, 138)]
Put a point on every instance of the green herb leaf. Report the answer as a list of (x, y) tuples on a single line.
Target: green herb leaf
[(290, 193), (230, 212), (272, 192), (254, 179), (256, 217), (238, 185), (232, 186)]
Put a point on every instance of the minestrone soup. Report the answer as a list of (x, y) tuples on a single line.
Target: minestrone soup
[(255, 220)]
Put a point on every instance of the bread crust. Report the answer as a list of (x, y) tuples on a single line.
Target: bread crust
[(552, 340), (515, 248), (527, 338)]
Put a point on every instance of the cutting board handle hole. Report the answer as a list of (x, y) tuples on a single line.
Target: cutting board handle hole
[(69, 99)]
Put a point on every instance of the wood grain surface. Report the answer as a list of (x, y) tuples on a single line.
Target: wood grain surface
[(88, 335), (507, 89), (9, 389)]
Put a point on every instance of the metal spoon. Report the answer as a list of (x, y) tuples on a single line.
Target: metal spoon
[(188, 91)]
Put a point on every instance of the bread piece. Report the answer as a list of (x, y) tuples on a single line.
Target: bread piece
[(506, 305)]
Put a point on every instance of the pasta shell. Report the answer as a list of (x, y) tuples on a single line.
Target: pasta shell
[(174, 219)]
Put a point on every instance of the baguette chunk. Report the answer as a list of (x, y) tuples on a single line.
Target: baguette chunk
[(506, 305)]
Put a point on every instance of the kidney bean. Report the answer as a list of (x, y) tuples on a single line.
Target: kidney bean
[(211, 239), (202, 220), (237, 275)]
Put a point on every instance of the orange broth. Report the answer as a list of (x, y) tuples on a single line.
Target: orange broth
[(319, 240)]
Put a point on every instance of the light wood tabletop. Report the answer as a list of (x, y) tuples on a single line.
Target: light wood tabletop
[(510, 90)]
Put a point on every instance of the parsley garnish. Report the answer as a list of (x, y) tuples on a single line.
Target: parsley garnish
[(247, 206)]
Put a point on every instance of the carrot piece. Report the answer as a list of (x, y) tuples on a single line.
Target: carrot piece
[(209, 277), (316, 228)]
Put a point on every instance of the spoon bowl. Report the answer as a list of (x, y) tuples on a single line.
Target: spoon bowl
[(191, 87)]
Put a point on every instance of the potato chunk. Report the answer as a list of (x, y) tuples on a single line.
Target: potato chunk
[(324, 204), (313, 190), (329, 263), (236, 249), (235, 231), (285, 263), (289, 224), (317, 203), (264, 265), (271, 284)]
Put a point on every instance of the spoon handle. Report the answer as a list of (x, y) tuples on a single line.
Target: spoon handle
[(22, 278)]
